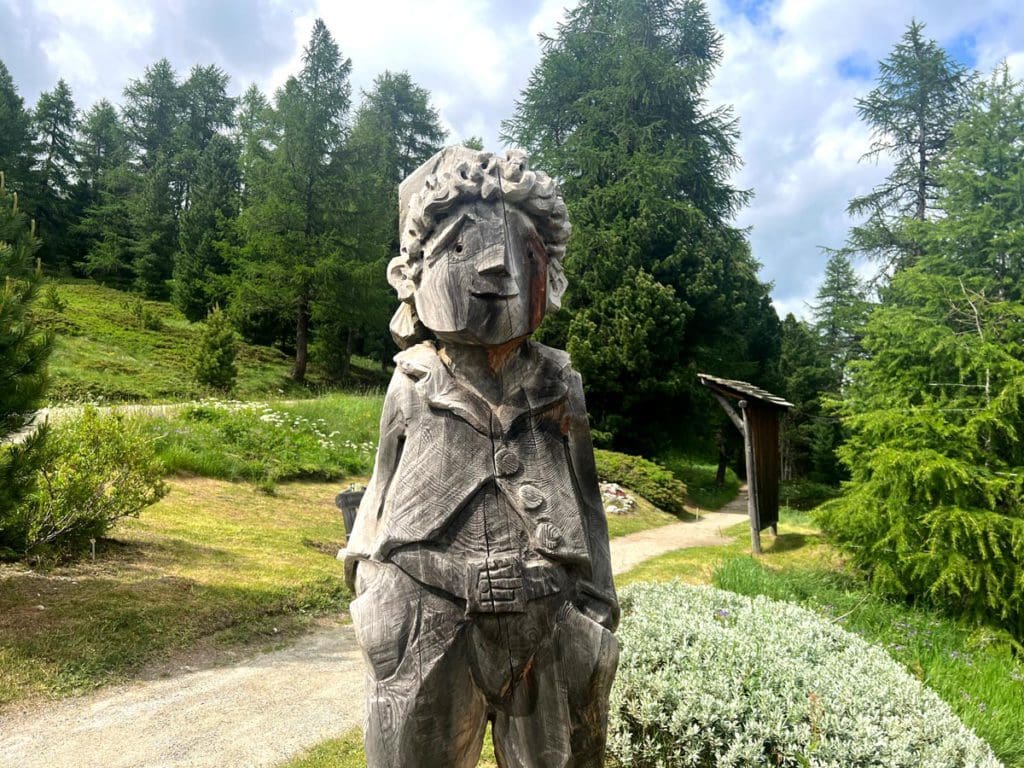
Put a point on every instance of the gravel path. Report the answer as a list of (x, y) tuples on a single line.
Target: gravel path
[(259, 712)]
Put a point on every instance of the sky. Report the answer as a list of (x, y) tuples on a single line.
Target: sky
[(792, 71)]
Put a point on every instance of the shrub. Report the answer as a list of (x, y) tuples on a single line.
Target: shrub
[(214, 360), (146, 318), (650, 480), (805, 494), (710, 678), (95, 470)]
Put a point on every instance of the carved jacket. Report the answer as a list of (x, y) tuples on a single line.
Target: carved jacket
[(441, 444)]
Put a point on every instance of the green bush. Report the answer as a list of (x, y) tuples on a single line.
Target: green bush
[(710, 678), (650, 480), (94, 471), (214, 361)]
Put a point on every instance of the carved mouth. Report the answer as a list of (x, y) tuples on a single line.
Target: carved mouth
[(494, 295)]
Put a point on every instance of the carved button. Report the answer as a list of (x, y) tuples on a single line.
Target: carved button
[(548, 536), (506, 462), (531, 497)]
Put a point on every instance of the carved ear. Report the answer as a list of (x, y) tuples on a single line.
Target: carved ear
[(557, 283), (406, 328), (403, 277)]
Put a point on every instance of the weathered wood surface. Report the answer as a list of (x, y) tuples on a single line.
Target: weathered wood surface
[(480, 551), (759, 425)]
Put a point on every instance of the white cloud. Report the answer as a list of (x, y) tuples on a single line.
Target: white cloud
[(787, 70)]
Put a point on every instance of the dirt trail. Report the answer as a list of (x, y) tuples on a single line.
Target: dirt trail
[(258, 712)]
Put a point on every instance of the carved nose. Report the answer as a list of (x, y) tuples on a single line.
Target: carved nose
[(494, 261)]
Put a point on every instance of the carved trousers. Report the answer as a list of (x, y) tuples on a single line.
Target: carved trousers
[(437, 675)]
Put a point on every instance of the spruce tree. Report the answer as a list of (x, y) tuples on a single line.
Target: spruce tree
[(24, 350), (202, 263)]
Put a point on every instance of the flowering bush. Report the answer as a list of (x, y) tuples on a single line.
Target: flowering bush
[(710, 678), (258, 442)]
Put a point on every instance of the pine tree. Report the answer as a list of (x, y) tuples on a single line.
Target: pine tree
[(214, 360), (616, 111), (23, 354), (920, 95)]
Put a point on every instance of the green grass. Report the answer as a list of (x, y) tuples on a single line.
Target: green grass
[(972, 668), (645, 515), (103, 352), (329, 438), (699, 476), (211, 566), (347, 752)]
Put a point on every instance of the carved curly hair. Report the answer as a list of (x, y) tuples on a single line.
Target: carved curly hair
[(457, 175)]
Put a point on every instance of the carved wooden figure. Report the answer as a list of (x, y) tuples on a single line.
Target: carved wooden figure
[(480, 551)]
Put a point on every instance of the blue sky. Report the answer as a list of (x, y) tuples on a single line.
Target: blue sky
[(792, 71)]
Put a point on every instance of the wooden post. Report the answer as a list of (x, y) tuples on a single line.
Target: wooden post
[(748, 445)]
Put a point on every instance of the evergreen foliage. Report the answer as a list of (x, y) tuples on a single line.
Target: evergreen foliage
[(661, 285), (214, 361), (920, 95), (395, 130), (651, 480), (935, 506), (288, 223), (23, 354), (808, 434), (16, 140)]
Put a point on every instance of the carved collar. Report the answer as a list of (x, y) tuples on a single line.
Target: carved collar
[(542, 387)]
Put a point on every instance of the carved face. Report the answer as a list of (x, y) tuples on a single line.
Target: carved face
[(484, 276)]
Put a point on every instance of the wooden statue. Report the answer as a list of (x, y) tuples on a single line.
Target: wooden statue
[(480, 551)]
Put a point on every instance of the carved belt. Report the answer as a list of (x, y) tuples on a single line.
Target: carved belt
[(497, 584)]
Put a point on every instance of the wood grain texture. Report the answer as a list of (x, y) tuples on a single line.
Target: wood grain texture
[(480, 551)]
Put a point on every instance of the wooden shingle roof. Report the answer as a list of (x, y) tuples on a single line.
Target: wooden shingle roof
[(742, 390)]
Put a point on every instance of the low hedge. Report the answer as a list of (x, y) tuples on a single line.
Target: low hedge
[(711, 678), (650, 480)]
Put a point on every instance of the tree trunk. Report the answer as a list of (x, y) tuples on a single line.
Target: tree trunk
[(723, 458), (346, 363), (301, 341)]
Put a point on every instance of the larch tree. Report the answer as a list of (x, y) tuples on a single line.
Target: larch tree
[(55, 123), (921, 93), (288, 222), (935, 452), (660, 283)]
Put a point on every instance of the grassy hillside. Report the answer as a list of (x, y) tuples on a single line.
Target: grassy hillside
[(114, 346)]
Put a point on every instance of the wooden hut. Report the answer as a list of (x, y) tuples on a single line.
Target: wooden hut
[(759, 425)]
